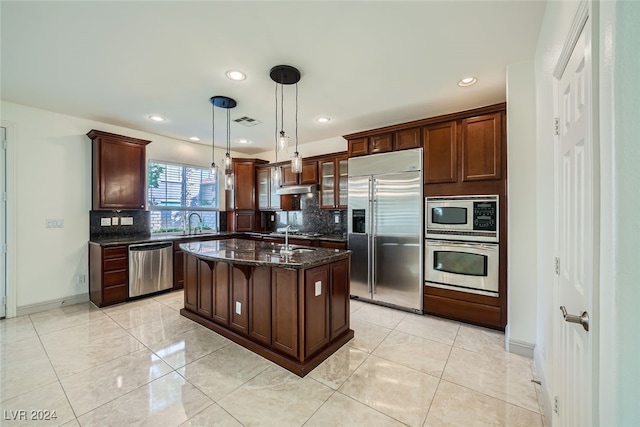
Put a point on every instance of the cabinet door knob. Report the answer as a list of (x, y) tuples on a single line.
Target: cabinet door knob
[(142, 206)]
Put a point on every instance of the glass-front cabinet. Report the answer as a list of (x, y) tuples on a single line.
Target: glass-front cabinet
[(268, 198), (333, 183)]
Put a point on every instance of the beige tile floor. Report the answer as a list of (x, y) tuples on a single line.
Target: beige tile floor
[(141, 363)]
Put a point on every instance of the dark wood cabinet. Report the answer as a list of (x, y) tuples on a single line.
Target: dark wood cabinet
[(407, 138), (191, 283), (440, 152), (241, 274), (244, 221), (482, 147), (241, 201), (309, 174), (334, 182), (339, 297), (332, 244), (108, 274), (260, 305), (204, 306), (220, 277), (284, 311), (358, 147), (118, 171), (266, 189), (316, 314), (381, 143)]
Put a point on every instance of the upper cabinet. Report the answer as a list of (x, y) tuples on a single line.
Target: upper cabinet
[(333, 182), (440, 153), (118, 172), (384, 142), (358, 147), (381, 143), (309, 174), (241, 201), (268, 198), (482, 147)]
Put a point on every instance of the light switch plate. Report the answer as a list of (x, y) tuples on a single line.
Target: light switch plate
[(126, 220), (105, 222), (336, 219), (114, 220), (318, 288), (238, 308)]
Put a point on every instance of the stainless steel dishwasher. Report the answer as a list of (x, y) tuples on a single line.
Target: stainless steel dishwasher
[(150, 268)]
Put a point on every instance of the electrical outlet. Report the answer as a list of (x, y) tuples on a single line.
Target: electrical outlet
[(54, 223), (105, 222), (126, 220), (115, 220), (318, 288), (336, 219), (273, 218), (238, 308)]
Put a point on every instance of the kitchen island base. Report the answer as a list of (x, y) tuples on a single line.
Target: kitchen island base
[(293, 311)]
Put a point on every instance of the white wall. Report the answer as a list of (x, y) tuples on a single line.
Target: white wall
[(620, 228), (310, 149), (555, 28), (521, 191), (51, 178)]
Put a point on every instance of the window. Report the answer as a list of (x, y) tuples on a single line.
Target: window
[(175, 191)]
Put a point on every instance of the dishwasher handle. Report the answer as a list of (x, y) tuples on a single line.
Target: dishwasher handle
[(150, 247)]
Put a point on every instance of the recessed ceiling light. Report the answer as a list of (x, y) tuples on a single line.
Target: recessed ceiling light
[(156, 118), (236, 75), (194, 138), (323, 119), (467, 81), (243, 141)]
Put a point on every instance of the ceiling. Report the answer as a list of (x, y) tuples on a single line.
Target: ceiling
[(364, 64)]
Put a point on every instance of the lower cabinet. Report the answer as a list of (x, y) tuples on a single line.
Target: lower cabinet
[(108, 274), (298, 315)]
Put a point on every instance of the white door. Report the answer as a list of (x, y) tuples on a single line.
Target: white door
[(575, 237), (3, 222)]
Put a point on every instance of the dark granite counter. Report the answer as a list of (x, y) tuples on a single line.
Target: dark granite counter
[(133, 239), (251, 252)]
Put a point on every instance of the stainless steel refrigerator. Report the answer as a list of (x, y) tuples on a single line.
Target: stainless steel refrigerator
[(385, 228)]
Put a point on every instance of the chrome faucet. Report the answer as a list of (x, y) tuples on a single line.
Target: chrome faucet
[(286, 249), (189, 221)]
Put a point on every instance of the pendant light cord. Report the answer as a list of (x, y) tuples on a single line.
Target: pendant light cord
[(213, 133), (282, 104), (296, 118), (276, 132)]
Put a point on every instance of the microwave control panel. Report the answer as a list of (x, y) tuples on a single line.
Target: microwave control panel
[(485, 215)]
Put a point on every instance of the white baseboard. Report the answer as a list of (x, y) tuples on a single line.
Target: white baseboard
[(522, 348), (545, 393), (49, 305)]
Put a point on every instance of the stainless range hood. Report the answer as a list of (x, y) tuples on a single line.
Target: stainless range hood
[(297, 189)]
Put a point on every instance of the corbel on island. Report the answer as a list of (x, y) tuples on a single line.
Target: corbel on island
[(292, 309)]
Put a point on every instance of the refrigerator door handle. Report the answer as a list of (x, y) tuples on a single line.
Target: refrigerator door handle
[(374, 215), (369, 239)]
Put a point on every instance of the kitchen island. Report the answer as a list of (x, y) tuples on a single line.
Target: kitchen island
[(292, 309)]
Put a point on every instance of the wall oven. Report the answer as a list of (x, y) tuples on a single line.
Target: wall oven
[(461, 247), (462, 266)]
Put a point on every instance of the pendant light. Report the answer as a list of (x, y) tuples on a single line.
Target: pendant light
[(226, 103), (214, 168), (276, 171), (285, 75), (296, 160)]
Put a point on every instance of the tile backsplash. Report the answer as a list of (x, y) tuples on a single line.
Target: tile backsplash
[(311, 219), (119, 223)]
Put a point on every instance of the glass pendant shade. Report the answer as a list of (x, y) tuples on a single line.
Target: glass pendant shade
[(283, 142), (228, 181), (214, 172), (227, 162), (276, 175), (296, 163)]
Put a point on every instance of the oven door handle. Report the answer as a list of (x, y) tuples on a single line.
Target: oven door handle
[(490, 247)]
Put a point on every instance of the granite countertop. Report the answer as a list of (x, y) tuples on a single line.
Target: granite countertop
[(255, 253), (130, 240)]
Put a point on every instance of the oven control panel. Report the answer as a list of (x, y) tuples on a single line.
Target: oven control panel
[(485, 216)]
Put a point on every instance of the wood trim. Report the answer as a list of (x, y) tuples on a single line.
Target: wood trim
[(445, 117)]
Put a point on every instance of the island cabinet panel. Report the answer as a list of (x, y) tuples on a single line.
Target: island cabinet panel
[(205, 294), (260, 305), (221, 293), (191, 283), (240, 279), (440, 153), (482, 147), (284, 309), (339, 296), (316, 309)]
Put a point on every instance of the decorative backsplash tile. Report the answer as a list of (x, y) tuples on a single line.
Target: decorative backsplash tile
[(311, 219), (119, 223)]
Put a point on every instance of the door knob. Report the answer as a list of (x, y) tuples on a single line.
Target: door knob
[(583, 319)]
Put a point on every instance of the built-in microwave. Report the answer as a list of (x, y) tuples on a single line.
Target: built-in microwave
[(473, 218)]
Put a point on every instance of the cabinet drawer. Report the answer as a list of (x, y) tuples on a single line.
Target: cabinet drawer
[(115, 294), (115, 264), (114, 252), (118, 277)]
